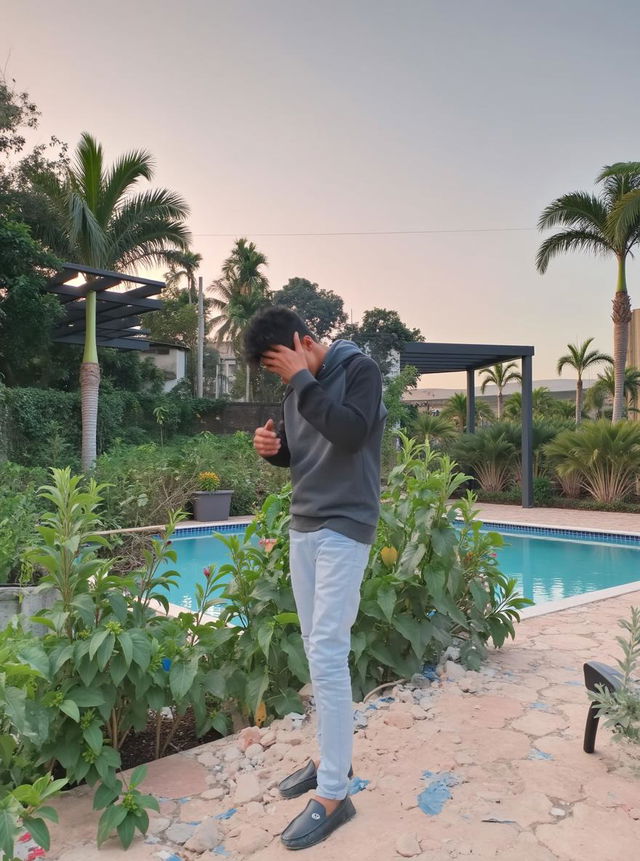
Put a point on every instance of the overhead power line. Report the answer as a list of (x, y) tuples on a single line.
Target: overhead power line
[(375, 232)]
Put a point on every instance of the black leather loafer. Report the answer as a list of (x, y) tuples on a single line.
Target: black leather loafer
[(313, 825), (301, 781)]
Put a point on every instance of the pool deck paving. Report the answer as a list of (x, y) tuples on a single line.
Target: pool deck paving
[(562, 518), (504, 743)]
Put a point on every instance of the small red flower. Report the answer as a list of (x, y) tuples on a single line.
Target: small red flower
[(25, 837), (36, 852), (206, 572)]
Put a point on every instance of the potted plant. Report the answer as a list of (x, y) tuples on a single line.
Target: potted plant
[(210, 503)]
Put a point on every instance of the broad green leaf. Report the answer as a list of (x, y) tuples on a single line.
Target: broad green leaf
[(8, 832), (142, 648), (105, 651), (358, 644), (294, 649), (86, 697), (287, 619), (265, 634), (181, 677), (110, 819), (257, 684), (38, 830), (215, 683), (97, 640), (105, 795), (387, 601), (126, 645), (35, 657), (118, 669), (137, 776), (71, 709), (412, 556), (93, 737), (287, 701)]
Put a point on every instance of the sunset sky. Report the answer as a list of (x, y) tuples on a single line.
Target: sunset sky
[(461, 119)]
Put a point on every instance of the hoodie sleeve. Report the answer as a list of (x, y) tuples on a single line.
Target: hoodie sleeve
[(347, 424), (283, 457)]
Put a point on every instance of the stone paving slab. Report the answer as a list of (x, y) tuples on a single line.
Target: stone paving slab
[(509, 738)]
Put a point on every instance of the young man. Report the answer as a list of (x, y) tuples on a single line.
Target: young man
[(330, 437)]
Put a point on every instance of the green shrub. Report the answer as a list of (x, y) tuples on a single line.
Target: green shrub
[(604, 456), (19, 511), (489, 455), (109, 661), (542, 491), (143, 484)]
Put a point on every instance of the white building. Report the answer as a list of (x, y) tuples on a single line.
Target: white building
[(171, 359)]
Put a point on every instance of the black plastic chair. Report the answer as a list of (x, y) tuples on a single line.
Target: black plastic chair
[(595, 674)]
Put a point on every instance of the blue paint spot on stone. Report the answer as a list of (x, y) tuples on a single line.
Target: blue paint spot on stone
[(357, 785), (227, 814), (534, 753), (174, 858), (542, 706), (430, 672), (387, 700), (575, 684), (220, 850), (438, 791)]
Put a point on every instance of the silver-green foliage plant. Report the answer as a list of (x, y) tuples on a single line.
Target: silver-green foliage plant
[(621, 708)]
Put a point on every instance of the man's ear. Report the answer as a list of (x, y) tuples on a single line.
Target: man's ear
[(307, 342)]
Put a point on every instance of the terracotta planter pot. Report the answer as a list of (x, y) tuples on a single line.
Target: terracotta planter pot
[(211, 504)]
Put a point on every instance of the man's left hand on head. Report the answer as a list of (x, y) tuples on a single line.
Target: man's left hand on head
[(284, 362)]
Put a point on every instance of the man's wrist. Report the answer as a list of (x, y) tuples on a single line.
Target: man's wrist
[(301, 379)]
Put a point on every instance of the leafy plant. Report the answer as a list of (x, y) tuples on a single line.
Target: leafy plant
[(604, 456), (111, 659), (490, 455), (621, 709), (209, 481), (268, 659), (442, 581)]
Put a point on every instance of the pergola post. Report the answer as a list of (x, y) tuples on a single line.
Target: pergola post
[(471, 401), (527, 432)]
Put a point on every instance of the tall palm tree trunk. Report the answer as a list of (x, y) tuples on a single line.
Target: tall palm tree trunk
[(247, 388), (621, 317), (578, 400), (89, 385), (500, 403)]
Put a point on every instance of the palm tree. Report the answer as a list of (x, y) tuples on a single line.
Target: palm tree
[(605, 224), (456, 410), (436, 429), (183, 265), (542, 402), (605, 385), (104, 223), (499, 375), (580, 358), (240, 293)]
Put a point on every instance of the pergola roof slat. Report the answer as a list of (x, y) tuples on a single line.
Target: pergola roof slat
[(117, 314)]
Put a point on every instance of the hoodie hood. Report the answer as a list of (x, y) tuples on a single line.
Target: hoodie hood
[(337, 354)]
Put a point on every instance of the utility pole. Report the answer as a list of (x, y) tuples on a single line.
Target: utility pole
[(200, 356)]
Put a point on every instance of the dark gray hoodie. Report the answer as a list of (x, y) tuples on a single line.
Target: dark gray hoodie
[(331, 436)]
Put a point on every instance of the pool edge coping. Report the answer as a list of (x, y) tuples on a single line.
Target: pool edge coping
[(534, 612)]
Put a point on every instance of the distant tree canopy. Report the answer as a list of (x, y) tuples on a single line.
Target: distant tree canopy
[(322, 310), (379, 334)]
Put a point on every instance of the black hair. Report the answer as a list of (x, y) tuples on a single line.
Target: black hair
[(272, 326)]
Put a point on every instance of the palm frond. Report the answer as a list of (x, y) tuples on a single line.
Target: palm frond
[(578, 209), (85, 233), (625, 218), (570, 240), (86, 171), (122, 175)]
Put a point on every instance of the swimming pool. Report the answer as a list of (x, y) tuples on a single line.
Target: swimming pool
[(549, 564)]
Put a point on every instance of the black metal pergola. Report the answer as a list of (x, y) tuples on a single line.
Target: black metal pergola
[(430, 358), (117, 313)]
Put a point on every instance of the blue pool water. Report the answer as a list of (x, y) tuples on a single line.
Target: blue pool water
[(547, 566)]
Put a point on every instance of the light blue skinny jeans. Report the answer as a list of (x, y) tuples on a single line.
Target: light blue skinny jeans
[(326, 574)]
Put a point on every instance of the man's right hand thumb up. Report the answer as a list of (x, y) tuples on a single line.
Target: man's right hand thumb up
[(266, 441)]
